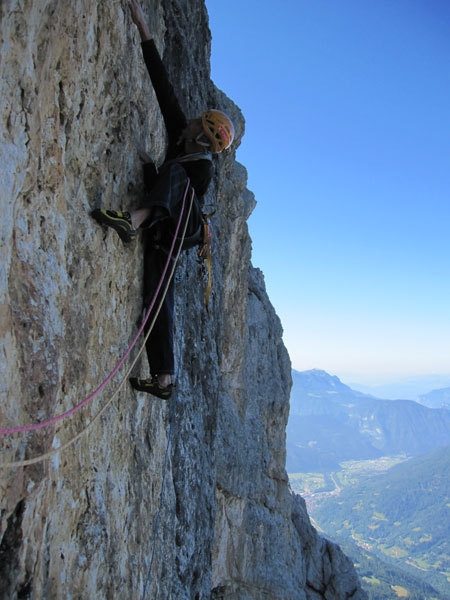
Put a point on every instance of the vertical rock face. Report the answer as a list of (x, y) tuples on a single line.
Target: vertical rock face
[(144, 498)]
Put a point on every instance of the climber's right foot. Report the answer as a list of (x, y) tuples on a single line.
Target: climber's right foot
[(117, 220), (152, 386)]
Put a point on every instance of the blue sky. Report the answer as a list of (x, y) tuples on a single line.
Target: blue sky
[(347, 147)]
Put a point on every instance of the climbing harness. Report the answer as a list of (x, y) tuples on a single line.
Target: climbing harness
[(72, 411), (190, 158)]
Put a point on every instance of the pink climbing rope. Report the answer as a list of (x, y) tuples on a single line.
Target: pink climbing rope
[(76, 408)]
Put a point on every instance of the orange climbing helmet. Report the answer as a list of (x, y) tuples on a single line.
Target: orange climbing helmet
[(219, 129)]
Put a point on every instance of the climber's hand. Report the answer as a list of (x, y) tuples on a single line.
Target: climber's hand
[(137, 14)]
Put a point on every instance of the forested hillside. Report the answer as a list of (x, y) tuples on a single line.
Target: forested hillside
[(374, 474), (402, 515)]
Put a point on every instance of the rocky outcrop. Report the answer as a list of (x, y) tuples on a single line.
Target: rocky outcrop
[(136, 498)]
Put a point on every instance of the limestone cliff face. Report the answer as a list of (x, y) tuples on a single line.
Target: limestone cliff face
[(178, 500)]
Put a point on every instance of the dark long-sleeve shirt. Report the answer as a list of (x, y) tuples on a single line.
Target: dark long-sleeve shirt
[(199, 171)]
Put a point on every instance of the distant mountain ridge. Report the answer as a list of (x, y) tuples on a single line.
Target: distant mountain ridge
[(436, 398), (329, 423)]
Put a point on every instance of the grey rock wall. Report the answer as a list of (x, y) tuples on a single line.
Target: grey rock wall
[(181, 500)]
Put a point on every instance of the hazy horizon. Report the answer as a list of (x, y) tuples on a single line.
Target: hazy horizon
[(394, 386)]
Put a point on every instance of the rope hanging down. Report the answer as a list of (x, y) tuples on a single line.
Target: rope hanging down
[(78, 407)]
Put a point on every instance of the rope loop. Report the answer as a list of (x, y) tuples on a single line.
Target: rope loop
[(78, 407)]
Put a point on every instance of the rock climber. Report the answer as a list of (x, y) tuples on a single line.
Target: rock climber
[(188, 162)]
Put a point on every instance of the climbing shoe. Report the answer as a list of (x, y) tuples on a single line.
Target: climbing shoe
[(117, 220), (151, 386)]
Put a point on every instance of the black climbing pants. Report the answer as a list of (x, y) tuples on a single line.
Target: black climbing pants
[(166, 197), (159, 345)]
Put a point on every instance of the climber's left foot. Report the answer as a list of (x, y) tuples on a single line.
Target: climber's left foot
[(152, 386), (117, 220)]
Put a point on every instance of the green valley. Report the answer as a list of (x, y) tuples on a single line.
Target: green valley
[(375, 477), (392, 515)]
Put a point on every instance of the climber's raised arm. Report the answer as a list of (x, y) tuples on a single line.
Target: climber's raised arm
[(174, 117), (137, 14)]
